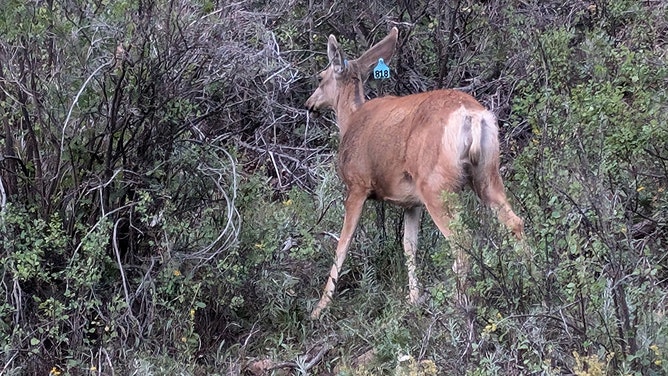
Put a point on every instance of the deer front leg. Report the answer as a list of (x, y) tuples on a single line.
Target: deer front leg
[(411, 228), (353, 210)]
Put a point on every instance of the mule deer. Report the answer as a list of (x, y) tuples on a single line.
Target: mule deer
[(408, 151)]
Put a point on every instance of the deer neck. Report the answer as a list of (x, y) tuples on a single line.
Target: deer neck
[(350, 99)]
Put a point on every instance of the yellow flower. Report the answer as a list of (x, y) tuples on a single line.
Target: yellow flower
[(287, 202), (192, 314), (640, 189), (54, 371), (429, 367), (491, 328), (177, 272)]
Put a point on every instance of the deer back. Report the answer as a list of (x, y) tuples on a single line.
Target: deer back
[(393, 145)]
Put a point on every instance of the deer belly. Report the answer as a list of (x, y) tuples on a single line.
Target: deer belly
[(398, 190)]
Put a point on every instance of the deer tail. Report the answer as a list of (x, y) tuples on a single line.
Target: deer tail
[(484, 139), (476, 138)]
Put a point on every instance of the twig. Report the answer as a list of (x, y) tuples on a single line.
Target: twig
[(3, 196), (315, 360), (230, 233), (106, 356), (69, 114), (117, 252), (81, 242), (7, 364), (475, 82), (318, 357), (259, 149)]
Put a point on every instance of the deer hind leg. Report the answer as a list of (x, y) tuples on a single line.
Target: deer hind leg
[(353, 210), (492, 193), (441, 211), (411, 228), (441, 208)]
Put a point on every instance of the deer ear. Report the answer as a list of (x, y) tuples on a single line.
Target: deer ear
[(335, 55), (381, 50)]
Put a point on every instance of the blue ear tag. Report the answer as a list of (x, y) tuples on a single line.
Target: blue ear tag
[(381, 71)]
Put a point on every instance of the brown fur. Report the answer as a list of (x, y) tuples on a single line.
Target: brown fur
[(408, 151)]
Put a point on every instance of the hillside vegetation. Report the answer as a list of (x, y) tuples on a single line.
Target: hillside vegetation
[(167, 206)]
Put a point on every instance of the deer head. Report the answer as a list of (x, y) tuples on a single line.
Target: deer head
[(340, 86)]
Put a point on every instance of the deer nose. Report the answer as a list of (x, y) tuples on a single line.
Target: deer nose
[(313, 112), (310, 105)]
